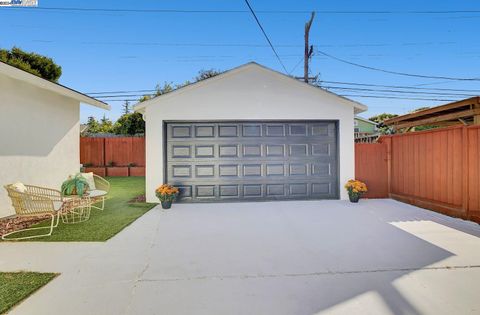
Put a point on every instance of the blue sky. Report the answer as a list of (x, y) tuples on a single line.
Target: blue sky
[(117, 51)]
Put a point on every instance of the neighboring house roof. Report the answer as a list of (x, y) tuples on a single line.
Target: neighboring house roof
[(366, 120), (25, 76), (141, 106)]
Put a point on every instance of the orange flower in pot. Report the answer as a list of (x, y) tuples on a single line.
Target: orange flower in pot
[(166, 194), (355, 189)]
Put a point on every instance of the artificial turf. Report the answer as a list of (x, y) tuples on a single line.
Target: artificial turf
[(17, 286)]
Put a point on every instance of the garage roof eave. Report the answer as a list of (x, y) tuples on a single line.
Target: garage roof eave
[(358, 107)]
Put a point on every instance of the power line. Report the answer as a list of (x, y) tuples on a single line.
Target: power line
[(365, 93), (396, 91), (78, 9), (266, 36), (163, 44), (344, 95), (402, 98), (395, 72), (390, 92), (350, 86), (118, 92), (297, 64), (399, 86), (182, 44)]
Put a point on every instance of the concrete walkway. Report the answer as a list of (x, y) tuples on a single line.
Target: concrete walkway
[(311, 257)]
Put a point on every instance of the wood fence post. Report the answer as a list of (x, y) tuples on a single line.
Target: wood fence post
[(104, 152), (388, 142), (476, 118), (465, 172)]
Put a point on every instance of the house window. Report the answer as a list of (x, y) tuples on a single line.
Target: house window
[(357, 129)]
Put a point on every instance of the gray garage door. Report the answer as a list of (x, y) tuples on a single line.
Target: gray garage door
[(256, 160)]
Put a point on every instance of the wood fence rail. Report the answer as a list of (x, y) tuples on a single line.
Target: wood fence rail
[(435, 169)]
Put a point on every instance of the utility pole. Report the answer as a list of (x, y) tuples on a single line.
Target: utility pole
[(126, 107), (308, 48)]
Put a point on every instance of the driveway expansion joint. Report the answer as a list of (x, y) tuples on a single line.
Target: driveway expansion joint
[(312, 274)]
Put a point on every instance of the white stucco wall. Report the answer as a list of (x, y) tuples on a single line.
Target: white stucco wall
[(252, 93), (39, 137)]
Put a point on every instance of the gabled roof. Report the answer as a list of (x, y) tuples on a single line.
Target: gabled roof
[(366, 120), (140, 106), (39, 82)]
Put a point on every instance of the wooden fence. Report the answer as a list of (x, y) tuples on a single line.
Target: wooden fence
[(436, 169), (371, 167), (123, 156)]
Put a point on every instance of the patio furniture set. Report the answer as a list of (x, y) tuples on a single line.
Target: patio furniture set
[(34, 201)]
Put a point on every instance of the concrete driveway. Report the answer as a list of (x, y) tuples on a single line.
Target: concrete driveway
[(310, 257)]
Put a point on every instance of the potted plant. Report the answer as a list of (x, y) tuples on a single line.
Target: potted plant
[(75, 185), (166, 194), (355, 189)]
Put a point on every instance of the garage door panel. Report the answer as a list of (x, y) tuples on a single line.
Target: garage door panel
[(227, 131), (181, 131), (252, 130), (205, 131), (215, 172), (229, 191), (275, 130), (228, 150), (321, 189), (205, 191), (180, 151), (228, 170), (252, 150), (275, 190), (185, 191), (252, 160)]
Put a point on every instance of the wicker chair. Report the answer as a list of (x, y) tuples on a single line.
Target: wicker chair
[(36, 202), (102, 188)]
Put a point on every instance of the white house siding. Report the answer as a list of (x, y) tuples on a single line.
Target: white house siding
[(39, 137), (250, 93)]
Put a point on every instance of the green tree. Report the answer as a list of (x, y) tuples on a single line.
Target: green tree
[(426, 127), (106, 125), (206, 74), (382, 117), (129, 124), (93, 125), (31, 62), (144, 98), (379, 119), (169, 87), (159, 90)]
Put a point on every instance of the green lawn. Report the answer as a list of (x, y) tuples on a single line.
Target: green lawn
[(16, 286), (102, 225)]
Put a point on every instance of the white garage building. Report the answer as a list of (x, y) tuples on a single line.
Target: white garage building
[(250, 134), (39, 131)]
